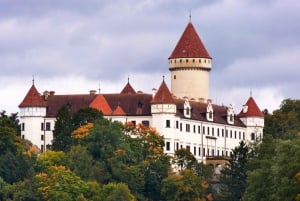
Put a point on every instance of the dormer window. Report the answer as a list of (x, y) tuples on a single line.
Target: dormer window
[(230, 115), (187, 109), (209, 112)]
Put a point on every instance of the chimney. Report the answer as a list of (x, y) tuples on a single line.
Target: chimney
[(46, 95), (52, 93), (245, 108), (92, 92), (154, 92)]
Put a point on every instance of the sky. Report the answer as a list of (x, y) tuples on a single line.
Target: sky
[(75, 46)]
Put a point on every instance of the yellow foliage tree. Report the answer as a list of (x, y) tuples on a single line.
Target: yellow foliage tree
[(82, 131)]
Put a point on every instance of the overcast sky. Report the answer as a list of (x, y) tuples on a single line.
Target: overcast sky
[(79, 45)]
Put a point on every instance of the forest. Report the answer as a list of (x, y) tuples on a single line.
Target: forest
[(95, 159)]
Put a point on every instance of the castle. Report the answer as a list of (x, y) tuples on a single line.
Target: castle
[(184, 115)]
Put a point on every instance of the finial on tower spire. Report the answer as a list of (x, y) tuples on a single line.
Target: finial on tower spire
[(32, 79), (190, 15), (99, 89), (128, 79), (250, 92)]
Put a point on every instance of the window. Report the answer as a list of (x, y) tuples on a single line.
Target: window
[(168, 146), (199, 129), (177, 145), (187, 127), (222, 132), (213, 131), (203, 151), (168, 123), (188, 111), (226, 131), (194, 128), (23, 127), (203, 129), (194, 150), (218, 152), (177, 124), (207, 130), (234, 134), (42, 126), (48, 126), (174, 77), (213, 152), (243, 135), (180, 126), (239, 134), (42, 137), (146, 123), (188, 147), (207, 152), (252, 136), (230, 133), (218, 132), (42, 148), (23, 137), (199, 151), (134, 123)]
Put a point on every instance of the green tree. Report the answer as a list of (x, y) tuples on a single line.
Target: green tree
[(116, 192), (86, 115), (233, 176), (271, 175), (183, 158), (59, 183), (80, 162), (62, 130), (186, 187)]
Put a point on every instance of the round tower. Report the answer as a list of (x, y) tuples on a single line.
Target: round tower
[(189, 65)]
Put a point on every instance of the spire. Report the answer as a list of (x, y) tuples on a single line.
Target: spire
[(163, 94), (190, 45), (190, 16), (33, 98)]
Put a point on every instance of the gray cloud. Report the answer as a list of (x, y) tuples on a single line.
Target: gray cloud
[(255, 44)]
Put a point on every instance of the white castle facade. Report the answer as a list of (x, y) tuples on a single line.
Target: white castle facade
[(184, 115)]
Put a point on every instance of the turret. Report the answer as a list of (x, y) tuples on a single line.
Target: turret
[(189, 65), (32, 114), (253, 118)]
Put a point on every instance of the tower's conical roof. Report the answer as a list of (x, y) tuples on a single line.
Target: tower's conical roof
[(252, 109), (33, 99), (163, 95), (190, 45)]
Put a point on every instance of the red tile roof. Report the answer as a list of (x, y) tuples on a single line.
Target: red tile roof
[(128, 89), (101, 104), (74, 102), (163, 95), (252, 111), (190, 45), (199, 112), (119, 111), (131, 104), (33, 99)]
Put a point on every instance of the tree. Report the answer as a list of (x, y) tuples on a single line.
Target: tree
[(183, 158), (233, 176), (62, 130), (116, 192), (86, 115), (186, 187), (271, 175), (59, 183)]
